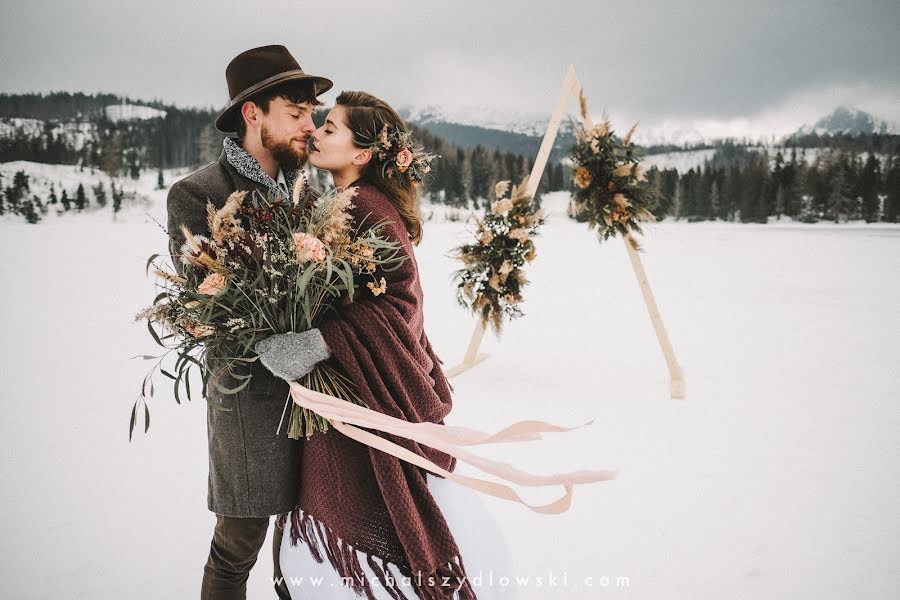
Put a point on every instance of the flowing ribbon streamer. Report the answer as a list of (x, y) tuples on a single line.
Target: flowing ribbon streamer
[(346, 416)]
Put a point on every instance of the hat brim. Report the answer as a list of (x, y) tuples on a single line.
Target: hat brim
[(226, 122)]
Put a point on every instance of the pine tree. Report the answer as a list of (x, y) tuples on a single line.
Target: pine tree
[(838, 200), (64, 200), (714, 201), (19, 190), (80, 198), (868, 189), (892, 192), (556, 177), (747, 196), (459, 182), (499, 166), (99, 194), (703, 209), (451, 178), (7, 195), (133, 163), (808, 212), (28, 210), (688, 204), (482, 174), (779, 201), (465, 176), (655, 177), (779, 168), (117, 195), (209, 144), (675, 209), (111, 155), (729, 206), (762, 184), (798, 188), (160, 183)]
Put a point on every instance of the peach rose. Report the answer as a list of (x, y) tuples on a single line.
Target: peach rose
[(212, 285), (198, 331), (404, 159), (582, 177), (308, 247)]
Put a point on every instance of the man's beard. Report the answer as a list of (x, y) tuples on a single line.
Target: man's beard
[(284, 152)]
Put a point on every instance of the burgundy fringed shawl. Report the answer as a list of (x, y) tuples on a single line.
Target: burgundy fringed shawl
[(357, 503)]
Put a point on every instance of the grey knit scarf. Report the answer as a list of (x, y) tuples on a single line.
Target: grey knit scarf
[(250, 168)]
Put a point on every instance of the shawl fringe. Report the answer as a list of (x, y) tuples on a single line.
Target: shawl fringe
[(345, 558)]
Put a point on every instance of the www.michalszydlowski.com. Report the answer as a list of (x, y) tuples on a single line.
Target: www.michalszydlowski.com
[(483, 579)]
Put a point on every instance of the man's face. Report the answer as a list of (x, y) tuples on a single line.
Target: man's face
[(285, 129)]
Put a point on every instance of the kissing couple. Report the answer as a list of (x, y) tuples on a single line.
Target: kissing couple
[(365, 522)]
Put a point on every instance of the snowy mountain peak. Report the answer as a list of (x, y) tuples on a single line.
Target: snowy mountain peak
[(848, 120), (666, 131), (479, 116)]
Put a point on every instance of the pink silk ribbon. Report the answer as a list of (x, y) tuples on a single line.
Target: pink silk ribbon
[(347, 417)]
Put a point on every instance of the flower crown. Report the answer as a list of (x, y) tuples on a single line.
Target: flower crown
[(398, 155)]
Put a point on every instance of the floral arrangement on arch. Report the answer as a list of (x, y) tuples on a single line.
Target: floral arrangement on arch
[(399, 155), (269, 266), (492, 281), (611, 190)]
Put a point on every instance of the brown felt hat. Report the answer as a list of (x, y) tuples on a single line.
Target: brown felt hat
[(257, 70)]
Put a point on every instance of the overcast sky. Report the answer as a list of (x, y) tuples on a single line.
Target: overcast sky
[(720, 64)]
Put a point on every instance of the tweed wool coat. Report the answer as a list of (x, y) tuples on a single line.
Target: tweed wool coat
[(252, 471)]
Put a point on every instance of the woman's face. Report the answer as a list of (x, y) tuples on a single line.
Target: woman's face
[(331, 146)]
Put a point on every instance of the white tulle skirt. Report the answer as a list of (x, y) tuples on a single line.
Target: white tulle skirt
[(482, 545)]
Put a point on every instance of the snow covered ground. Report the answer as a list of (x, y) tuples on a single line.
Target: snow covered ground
[(142, 197), (775, 478)]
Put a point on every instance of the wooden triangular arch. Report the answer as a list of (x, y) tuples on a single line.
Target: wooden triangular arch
[(572, 87)]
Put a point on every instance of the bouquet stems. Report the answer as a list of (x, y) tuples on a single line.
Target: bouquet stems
[(327, 380)]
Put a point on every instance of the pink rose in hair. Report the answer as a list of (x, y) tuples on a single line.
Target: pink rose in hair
[(404, 159)]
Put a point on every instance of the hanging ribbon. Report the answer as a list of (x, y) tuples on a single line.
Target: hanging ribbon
[(347, 418)]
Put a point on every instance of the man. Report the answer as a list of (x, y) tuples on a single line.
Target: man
[(253, 473)]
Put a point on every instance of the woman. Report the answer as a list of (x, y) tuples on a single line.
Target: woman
[(378, 519)]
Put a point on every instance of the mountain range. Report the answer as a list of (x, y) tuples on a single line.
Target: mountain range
[(517, 131), (74, 119)]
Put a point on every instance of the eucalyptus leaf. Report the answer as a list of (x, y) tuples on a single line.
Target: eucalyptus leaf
[(133, 421), (149, 262), (153, 333), (231, 391)]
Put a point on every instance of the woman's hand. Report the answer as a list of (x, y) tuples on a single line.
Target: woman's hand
[(292, 355)]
